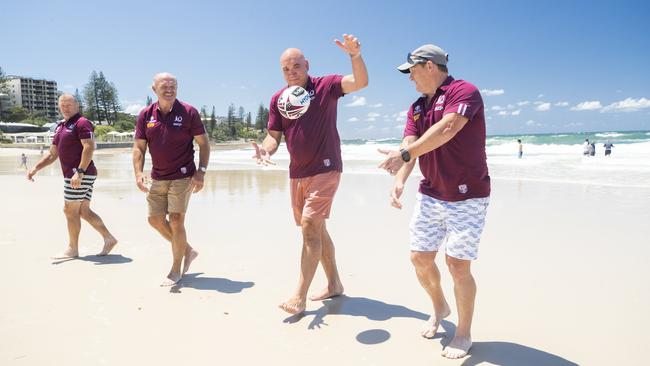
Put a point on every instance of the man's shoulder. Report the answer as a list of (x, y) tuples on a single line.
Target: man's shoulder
[(84, 121), (146, 110), (459, 85), (188, 108)]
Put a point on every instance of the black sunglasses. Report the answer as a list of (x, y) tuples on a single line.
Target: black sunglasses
[(414, 60)]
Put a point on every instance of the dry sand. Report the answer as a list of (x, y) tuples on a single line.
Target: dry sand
[(562, 277)]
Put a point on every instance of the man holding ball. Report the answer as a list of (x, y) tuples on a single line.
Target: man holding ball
[(316, 165)]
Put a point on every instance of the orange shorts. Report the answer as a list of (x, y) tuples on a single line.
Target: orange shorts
[(312, 197)]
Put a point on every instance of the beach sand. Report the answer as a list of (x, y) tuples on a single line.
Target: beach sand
[(562, 277)]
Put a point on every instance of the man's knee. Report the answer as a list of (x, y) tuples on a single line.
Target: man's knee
[(459, 268), (422, 260), (71, 210), (156, 221), (85, 212), (311, 230), (176, 221)]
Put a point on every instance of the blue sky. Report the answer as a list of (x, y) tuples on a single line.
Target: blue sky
[(553, 66)]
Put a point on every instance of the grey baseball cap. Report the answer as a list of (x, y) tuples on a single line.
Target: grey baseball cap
[(422, 54)]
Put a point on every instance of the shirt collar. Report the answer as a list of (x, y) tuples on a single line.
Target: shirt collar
[(445, 84)]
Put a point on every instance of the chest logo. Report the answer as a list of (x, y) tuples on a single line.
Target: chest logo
[(462, 188), (152, 122), (416, 117), (441, 99), (178, 121)]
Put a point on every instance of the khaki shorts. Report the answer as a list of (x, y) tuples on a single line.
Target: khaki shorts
[(169, 196), (312, 197)]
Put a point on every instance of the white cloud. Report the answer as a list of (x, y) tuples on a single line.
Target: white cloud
[(510, 106), (562, 104), (627, 105), (522, 103), (373, 115), (538, 103), (587, 106), (503, 113), (371, 119), (353, 119), (357, 101), (133, 108), (492, 92), (375, 105), (543, 107), (400, 116), (497, 108), (573, 124), (516, 113), (400, 127), (540, 96)]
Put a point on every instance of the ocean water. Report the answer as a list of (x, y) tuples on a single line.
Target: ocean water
[(547, 157)]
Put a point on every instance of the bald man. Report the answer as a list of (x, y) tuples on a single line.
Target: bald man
[(73, 145), (169, 129), (315, 168)]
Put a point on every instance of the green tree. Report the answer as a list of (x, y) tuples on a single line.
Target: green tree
[(101, 131), (4, 89), (230, 119), (149, 101), (101, 99), (248, 120), (80, 100), (213, 120), (18, 114), (262, 118)]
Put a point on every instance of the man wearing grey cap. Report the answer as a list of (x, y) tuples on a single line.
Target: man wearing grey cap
[(445, 131)]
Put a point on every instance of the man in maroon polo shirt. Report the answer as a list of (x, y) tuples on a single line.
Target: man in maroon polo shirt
[(315, 168), (169, 127), (73, 145), (445, 131)]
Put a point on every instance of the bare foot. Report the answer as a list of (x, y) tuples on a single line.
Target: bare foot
[(294, 305), (190, 255), (328, 292), (458, 347), (67, 254), (171, 280), (430, 327), (109, 243)]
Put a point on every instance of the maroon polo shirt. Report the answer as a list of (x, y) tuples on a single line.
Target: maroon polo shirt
[(312, 140), (170, 139), (457, 170), (67, 138)]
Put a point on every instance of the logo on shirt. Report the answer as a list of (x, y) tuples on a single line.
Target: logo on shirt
[(416, 117), (417, 109), (152, 122), (327, 162), (441, 99), (312, 94), (183, 170), (462, 188), (178, 121), (438, 108)]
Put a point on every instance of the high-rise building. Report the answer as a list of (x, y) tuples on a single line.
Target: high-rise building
[(37, 96)]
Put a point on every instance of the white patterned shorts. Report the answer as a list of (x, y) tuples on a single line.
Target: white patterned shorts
[(85, 192), (456, 224)]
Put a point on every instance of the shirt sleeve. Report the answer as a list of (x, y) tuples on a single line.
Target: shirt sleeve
[(196, 125), (275, 118), (140, 126), (84, 129), (57, 130), (335, 85), (465, 100), (411, 128)]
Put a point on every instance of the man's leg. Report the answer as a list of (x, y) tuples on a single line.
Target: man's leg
[(98, 224), (328, 261), (465, 292), (429, 277), (179, 244), (312, 249), (71, 209)]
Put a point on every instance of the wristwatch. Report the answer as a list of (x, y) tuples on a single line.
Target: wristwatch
[(405, 155), (79, 170), (203, 169)]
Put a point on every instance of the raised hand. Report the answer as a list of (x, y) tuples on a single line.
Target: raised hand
[(262, 157), (350, 44)]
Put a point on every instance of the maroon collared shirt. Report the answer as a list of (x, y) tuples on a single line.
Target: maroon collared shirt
[(313, 139), (67, 138), (457, 170), (170, 139)]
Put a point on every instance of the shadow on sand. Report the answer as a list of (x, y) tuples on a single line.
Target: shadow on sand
[(224, 285), (356, 306), (98, 260), (511, 354)]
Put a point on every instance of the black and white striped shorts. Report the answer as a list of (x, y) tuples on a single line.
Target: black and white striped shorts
[(85, 192)]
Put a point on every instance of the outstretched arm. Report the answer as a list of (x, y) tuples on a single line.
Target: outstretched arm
[(359, 77), (50, 156), (269, 147)]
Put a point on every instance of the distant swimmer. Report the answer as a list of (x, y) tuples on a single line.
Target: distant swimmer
[(521, 148), (586, 148), (592, 149), (608, 148), (73, 145), (23, 161)]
